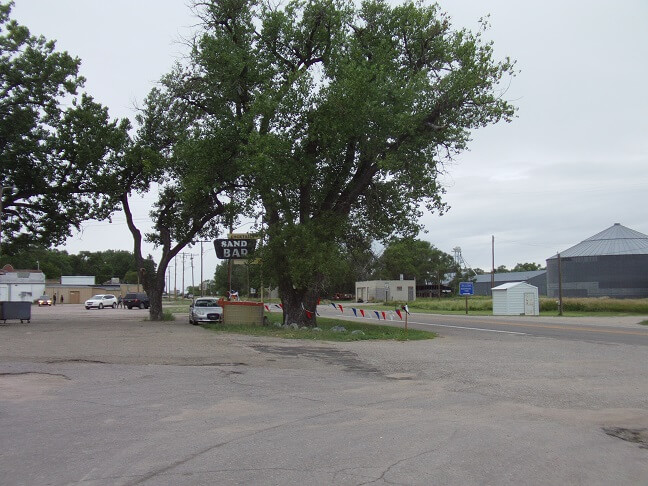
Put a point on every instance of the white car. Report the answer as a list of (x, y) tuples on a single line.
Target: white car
[(101, 300), (205, 309)]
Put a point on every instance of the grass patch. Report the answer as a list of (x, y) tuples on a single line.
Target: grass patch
[(452, 305), (176, 307), (167, 315), (598, 305), (480, 305), (368, 332)]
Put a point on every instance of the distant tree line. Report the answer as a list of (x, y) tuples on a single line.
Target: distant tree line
[(412, 258), (104, 265)]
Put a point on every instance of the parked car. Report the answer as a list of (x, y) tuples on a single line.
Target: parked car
[(44, 300), (205, 309), (101, 300), (139, 300)]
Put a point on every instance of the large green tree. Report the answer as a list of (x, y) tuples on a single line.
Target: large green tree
[(339, 118), (193, 170), (414, 259), (57, 148)]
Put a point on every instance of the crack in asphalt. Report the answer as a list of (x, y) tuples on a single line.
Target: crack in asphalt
[(206, 450), (39, 373), (75, 360), (400, 461)]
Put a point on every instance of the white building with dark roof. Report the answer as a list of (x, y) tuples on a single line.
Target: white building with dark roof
[(612, 263)]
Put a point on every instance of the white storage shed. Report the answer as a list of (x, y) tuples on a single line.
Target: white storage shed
[(515, 299), (21, 285)]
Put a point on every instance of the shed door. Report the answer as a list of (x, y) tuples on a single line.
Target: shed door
[(75, 297), (529, 304)]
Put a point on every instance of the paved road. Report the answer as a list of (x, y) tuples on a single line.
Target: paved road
[(108, 398), (621, 330)]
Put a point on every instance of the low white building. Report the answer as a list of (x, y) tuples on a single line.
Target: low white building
[(515, 299), (79, 280), (385, 290), (21, 285)]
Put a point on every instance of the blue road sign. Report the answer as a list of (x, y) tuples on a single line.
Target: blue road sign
[(466, 288)]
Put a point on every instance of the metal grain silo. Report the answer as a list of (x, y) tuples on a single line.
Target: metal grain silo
[(612, 263)]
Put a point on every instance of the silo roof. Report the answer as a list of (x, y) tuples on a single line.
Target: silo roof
[(616, 240)]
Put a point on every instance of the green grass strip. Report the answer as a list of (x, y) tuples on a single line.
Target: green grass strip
[(368, 332)]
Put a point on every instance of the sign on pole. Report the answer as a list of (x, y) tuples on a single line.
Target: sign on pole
[(466, 288), (229, 249)]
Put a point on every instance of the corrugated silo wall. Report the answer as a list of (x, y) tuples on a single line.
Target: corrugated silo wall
[(619, 276)]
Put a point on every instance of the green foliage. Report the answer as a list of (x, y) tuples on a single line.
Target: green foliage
[(455, 304), (415, 259), (57, 148), (244, 277), (369, 332), (630, 306), (356, 262), (526, 267), (547, 305), (102, 264), (130, 277), (332, 118)]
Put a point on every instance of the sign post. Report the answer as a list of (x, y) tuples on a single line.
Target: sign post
[(466, 288)]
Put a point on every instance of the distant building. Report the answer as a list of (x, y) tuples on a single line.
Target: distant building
[(537, 278), (612, 263), (21, 285), (432, 288), (385, 290)]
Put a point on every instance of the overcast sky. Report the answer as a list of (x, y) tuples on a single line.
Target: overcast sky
[(573, 162)]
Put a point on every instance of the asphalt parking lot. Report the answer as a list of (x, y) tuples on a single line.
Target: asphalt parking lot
[(109, 398)]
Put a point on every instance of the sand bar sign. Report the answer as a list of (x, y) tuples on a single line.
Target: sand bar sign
[(234, 248)]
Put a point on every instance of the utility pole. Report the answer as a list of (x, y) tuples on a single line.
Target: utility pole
[(175, 278), (202, 284), (493, 261), (229, 268), (560, 293), (192, 271), (183, 267)]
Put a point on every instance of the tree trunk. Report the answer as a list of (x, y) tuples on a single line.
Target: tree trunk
[(155, 296), (299, 305), (153, 286)]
